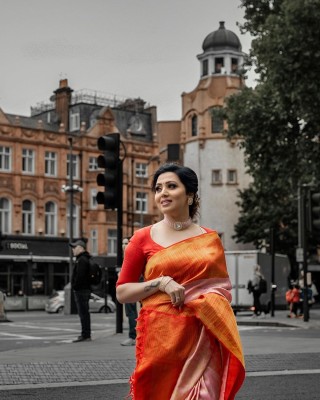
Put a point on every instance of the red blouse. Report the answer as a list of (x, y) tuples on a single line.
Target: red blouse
[(140, 248)]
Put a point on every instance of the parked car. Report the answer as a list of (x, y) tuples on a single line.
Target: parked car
[(55, 303)]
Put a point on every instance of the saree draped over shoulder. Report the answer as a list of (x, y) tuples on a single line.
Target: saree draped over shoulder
[(193, 353)]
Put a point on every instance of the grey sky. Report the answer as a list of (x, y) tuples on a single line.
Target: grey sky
[(130, 48)]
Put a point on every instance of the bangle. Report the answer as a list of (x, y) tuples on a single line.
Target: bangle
[(164, 282)]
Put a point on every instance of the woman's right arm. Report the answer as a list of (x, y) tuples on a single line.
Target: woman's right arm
[(130, 289), (136, 291)]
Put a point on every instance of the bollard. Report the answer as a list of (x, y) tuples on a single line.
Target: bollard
[(3, 317)]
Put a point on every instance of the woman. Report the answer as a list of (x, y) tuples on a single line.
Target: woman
[(187, 345)]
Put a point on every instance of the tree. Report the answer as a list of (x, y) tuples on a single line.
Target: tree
[(278, 122)]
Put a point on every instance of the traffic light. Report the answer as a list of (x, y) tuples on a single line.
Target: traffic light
[(313, 217), (111, 178)]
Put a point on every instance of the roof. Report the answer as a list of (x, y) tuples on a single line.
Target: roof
[(221, 39)]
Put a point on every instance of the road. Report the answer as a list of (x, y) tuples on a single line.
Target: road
[(282, 362), (39, 329)]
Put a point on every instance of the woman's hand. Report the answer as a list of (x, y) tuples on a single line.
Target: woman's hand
[(176, 293)]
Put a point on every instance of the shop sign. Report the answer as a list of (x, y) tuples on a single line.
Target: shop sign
[(17, 246)]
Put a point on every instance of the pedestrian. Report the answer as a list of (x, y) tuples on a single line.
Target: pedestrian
[(296, 303), (289, 299), (80, 285), (188, 345), (256, 292), (131, 312)]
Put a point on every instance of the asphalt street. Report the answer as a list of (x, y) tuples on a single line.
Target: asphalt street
[(39, 361)]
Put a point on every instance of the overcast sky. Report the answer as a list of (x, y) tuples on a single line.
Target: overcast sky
[(129, 48)]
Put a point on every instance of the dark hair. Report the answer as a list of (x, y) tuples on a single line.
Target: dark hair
[(188, 178)]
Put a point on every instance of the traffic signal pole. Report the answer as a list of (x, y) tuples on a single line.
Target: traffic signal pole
[(273, 284), (112, 196), (119, 310), (303, 244)]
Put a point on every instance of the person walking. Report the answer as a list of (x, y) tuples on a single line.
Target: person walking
[(131, 312), (188, 345), (296, 303), (80, 284), (289, 299), (257, 276)]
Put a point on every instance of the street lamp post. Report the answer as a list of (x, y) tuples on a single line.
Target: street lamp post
[(70, 206), (70, 189)]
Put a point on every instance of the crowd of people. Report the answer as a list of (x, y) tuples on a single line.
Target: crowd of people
[(295, 298)]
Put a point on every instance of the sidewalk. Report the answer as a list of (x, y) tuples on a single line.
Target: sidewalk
[(105, 360)]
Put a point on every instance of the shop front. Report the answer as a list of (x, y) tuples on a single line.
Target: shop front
[(33, 266)]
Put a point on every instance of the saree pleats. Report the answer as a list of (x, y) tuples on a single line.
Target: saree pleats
[(193, 353)]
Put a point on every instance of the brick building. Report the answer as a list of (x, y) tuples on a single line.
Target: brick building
[(35, 155)]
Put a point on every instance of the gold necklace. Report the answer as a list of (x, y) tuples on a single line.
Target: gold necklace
[(177, 225)]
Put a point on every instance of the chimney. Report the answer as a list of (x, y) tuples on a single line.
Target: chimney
[(63, 100)]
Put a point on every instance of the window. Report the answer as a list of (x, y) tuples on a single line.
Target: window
[(27, 217), (5, 158), (93, 199), (74, 121), (216, 120), (141, 202), (75, 166), (5, 215), (50, 160), (232, 176), (93, 163), (204, 67), (28, 161), (194, 125), (216, 177), (50, 219), (94, 241), (218, 65), (112, 242), (141, 170), (75, 221), (234, 65)]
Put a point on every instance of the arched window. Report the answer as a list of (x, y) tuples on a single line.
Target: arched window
[(216, 120), (50, 219), (194, 125), (5, 215), (27, 217)]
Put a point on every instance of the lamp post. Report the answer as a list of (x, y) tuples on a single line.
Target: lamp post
[(70, 206), (71, 189)]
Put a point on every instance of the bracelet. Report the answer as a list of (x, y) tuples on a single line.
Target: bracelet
[(164, 282)]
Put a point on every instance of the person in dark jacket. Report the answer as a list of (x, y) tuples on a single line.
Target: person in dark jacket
[(81, 288)]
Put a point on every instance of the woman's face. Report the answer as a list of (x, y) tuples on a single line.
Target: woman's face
[(170, 195)]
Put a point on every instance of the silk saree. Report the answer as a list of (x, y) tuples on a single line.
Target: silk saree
[(193, 353)]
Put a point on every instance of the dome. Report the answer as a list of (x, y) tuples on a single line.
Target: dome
[(221, 39)]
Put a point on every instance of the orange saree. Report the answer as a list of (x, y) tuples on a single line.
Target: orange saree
[(193, 353)]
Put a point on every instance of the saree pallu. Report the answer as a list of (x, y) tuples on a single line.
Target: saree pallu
[(193, 353)]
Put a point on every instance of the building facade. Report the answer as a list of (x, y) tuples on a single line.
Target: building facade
[(218, 162), (39, 155)]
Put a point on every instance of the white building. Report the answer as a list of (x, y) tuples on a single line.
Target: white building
[(218, 162)]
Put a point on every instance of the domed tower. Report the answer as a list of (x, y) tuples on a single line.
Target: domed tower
[(219, 163), (222, 53)]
